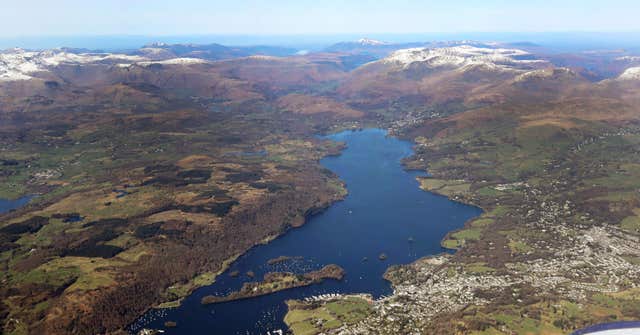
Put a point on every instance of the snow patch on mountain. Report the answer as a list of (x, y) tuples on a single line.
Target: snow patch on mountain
[(632, 73), (629, 58), (463, 56), (155, 53), (262, 57), (175, 61), (544, 73), (53, 58), (18, 64), (368, 41)]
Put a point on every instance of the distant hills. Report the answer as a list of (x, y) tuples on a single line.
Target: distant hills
[(423, 58), (166, 121), (369, 46), (212, 51)]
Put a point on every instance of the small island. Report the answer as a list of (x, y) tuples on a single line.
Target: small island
[(281, 259), (278, 281)]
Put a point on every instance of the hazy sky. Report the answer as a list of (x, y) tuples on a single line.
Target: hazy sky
[(163, 17)]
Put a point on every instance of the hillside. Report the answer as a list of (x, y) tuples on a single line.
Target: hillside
[(150, 173), (553, 163), (156, 168)]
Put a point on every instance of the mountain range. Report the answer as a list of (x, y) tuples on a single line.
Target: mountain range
[(156, 167)]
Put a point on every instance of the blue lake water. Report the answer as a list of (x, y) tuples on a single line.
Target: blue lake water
[(385, 212), (7, 205), (612, 328)]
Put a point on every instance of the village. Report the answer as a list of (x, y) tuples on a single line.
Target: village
[(438, 285), (551, 253)]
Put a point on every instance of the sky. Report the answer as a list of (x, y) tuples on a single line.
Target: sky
[(30, 18)]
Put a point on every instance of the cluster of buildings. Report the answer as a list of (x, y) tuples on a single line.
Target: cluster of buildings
[(568, 260)]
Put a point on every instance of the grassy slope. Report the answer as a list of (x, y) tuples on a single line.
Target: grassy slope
[(200, 181), (559, 183), (599, 179)]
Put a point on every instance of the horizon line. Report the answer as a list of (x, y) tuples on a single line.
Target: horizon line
[(276, 34)]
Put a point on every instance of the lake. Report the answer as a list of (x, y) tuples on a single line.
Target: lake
[(385, 212), (611, 328), (7, 205)]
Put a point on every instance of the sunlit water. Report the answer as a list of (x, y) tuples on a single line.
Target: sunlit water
[(612, 328), (385, 212), (7, 205)]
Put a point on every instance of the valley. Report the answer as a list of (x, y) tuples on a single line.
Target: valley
[(157, 169), (406, 225)]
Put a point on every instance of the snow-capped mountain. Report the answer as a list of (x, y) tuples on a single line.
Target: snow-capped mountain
[(463, 56), (368, 41), (451, 72), (632, 73), (18, 64), (545, 74)]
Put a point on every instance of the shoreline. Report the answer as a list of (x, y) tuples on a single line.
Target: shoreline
[(309, 213), (423, 174), (278, 281)]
